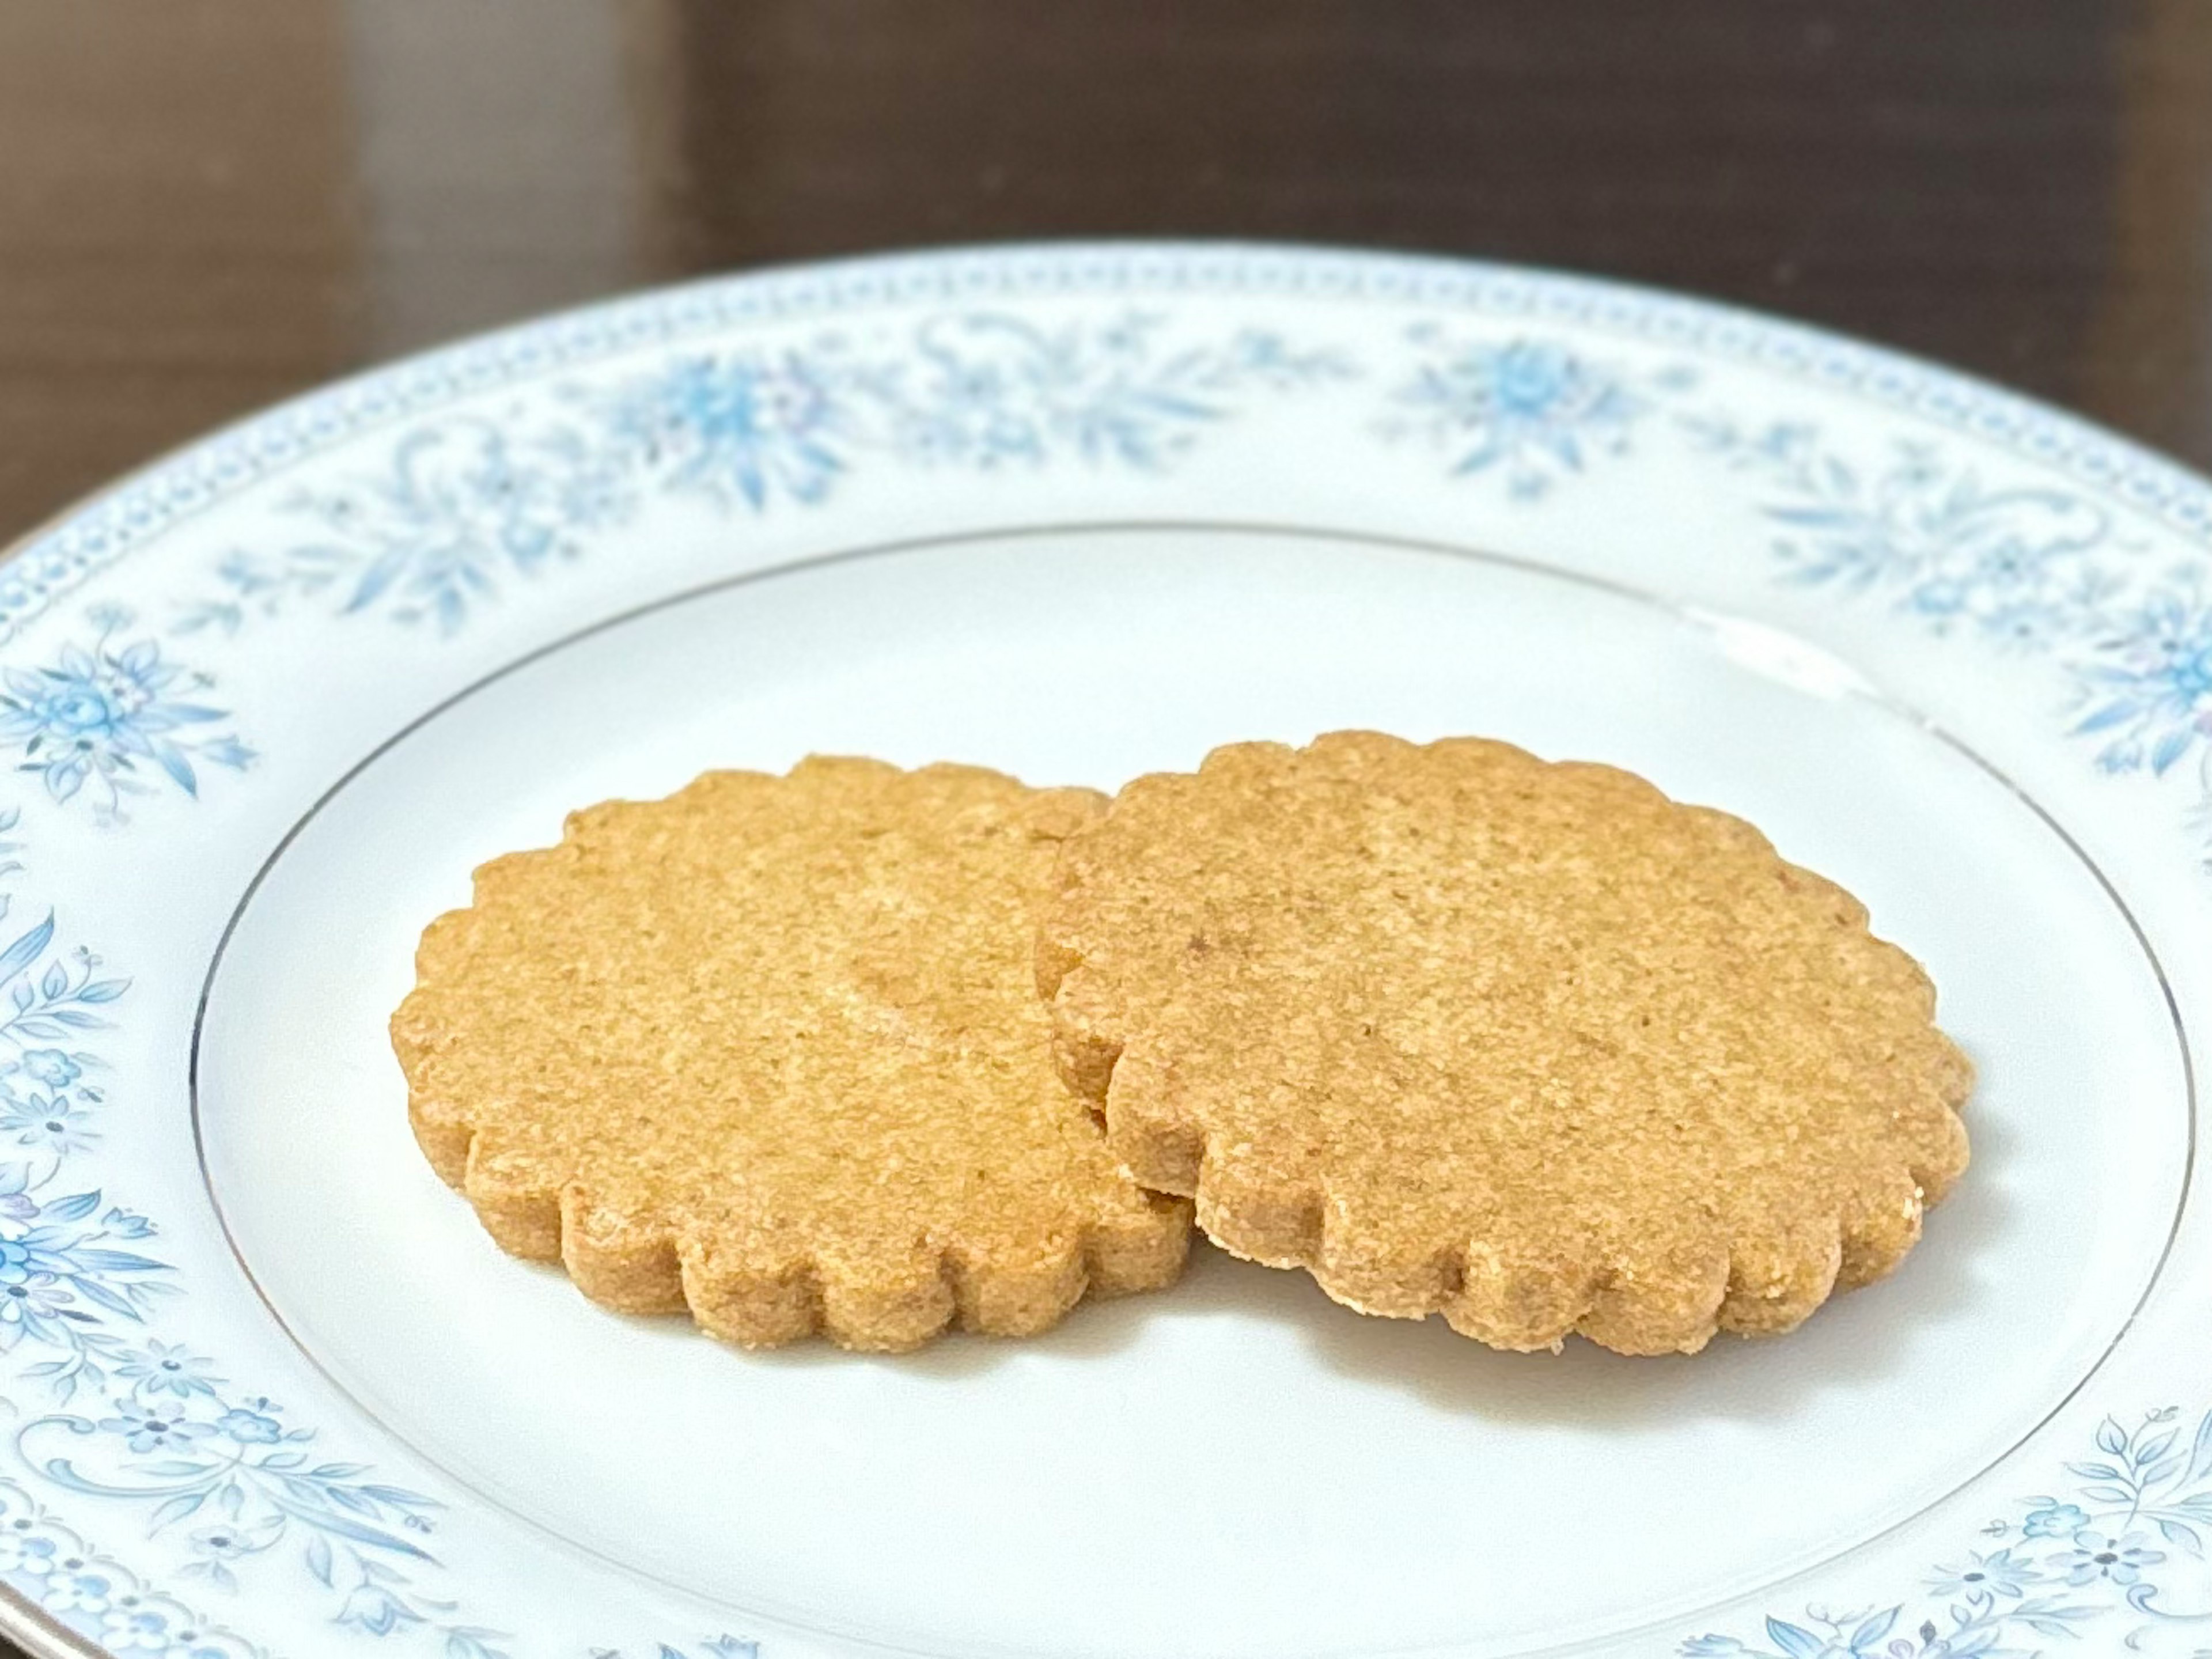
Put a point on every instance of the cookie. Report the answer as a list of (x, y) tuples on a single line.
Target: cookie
[(1526, 1044), (770, 1050)]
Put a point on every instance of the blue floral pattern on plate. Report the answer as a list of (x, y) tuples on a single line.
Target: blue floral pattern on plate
[(464, 506), (1530, 411), (108, 719), (2030, 570), (2093, 1558), (463, 510), (147, 1424)]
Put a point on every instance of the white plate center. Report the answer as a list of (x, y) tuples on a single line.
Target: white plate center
[(1237, 1466)]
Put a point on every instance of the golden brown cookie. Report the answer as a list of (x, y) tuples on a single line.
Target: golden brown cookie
[(770, 1049), (1529, 1045)]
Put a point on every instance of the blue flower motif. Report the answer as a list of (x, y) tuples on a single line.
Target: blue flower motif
[(127, 1224), (136, 1628), (51, 1066), (42, 1250), (2015, 565), (79, 1590), (106, 714), (28, 1299), (2148, 683), (217, 1549), (168, 1368), (2097, 1555), (16, 1261), (1531, 409), (224, 1543), (372, 1608), (988, 390), (463, 505), (26, 1553), (1993, 1574), (740, 427), (59, 1126), (60, 1281), (250, 1427), (2055, 1520), (147, 1428)]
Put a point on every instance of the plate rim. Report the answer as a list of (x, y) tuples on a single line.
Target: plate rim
[(2134, 476)]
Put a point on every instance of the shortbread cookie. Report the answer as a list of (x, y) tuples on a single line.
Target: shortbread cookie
[(1529, 1045), (771, 1049)]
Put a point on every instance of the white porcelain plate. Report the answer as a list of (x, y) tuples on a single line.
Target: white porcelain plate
[(1081, 513)]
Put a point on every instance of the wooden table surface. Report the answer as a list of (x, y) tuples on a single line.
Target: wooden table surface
[(205, 204)]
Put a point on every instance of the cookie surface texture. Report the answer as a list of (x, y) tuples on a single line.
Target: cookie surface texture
[(1523, 1044), (770, 1049)]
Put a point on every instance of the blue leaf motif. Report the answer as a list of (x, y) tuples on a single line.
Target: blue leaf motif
[(173, 762), (63, 778), (360, 1532), (1794, 1640), (2159, 1473), (117, 1261), (400, 1498), (27, 949), (347, 1499), (76, 1207), (2200, 1451), (177, 1509), (2177, 1532), (92, 1289), (1873, 1628)]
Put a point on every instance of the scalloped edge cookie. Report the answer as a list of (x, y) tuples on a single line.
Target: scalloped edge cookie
[(1265, 1079), (654, 1234)]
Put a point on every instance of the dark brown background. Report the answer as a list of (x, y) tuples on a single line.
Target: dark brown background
[(207, 204)]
